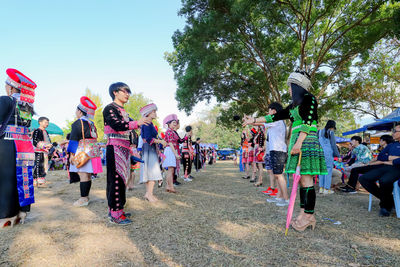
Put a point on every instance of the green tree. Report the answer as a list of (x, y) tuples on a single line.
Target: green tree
[(67, 128), (210, 130), (98, 116), (136, 102), (375, 86), (242, 52)]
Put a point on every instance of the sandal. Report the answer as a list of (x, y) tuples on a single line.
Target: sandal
[(301, 228)]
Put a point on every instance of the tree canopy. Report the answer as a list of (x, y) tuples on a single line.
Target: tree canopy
[(242, 52), (374, 88), (210, 130)]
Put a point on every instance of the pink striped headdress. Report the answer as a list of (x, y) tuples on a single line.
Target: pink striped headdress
[(146, 110), (169, 118)]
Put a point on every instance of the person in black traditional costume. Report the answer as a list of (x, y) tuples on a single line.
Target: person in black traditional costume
[(187, 154), (16, 150), (83, 138), (73, 176), (117, 127), (259, 155), (304, 116), (198, 156), (42, 143)]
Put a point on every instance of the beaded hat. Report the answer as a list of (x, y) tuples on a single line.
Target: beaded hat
[(87, 106), (301, 78), (21, 82)]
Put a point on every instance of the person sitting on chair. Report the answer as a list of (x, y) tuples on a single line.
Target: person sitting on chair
[(386, 173), (350, 187)]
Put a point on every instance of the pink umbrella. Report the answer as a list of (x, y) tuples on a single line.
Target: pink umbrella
[(296, 179)]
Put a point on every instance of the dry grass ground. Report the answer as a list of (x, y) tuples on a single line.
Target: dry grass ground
[(218, 219)]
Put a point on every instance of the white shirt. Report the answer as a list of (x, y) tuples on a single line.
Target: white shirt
[(276, 136), (140, 143)]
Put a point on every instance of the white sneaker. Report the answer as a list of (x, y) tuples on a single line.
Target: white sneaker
[(282, 203), (81, 203), (321, 190), (328, 192), (273, 200), (187, 179)]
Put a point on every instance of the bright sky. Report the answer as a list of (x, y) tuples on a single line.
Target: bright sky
[(68, 46)]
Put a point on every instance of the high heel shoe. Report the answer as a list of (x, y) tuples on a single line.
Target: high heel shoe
[(301, 228), (21, 217), (8, 222)]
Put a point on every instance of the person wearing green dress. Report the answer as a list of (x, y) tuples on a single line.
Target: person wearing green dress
[(302, 111)]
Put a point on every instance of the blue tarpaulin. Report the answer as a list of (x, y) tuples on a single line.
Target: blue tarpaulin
[(52, 129), (385, 124), (342, 140), (359, 130)]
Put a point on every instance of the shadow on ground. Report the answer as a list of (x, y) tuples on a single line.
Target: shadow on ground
[(218, 219)]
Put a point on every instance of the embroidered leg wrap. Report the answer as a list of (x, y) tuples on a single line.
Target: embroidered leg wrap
[(85, 188), (309, 198)]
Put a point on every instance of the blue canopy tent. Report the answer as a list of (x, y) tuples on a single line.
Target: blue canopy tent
[(52, 129), (342, 140), (385, 124), (209, 145), (359, 130), (393, 115), (223, 153)]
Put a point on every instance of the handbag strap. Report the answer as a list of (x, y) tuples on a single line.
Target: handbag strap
[(83, 135)]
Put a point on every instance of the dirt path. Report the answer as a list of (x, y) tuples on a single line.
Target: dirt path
[(218, 219)]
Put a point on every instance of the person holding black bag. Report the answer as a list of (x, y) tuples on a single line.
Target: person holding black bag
[(16, 149)]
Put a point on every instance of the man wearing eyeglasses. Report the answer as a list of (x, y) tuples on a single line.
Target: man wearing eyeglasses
[(386, 174), (117, 128)]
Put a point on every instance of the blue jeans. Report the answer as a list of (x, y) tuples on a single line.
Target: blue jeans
[(325, 181)]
